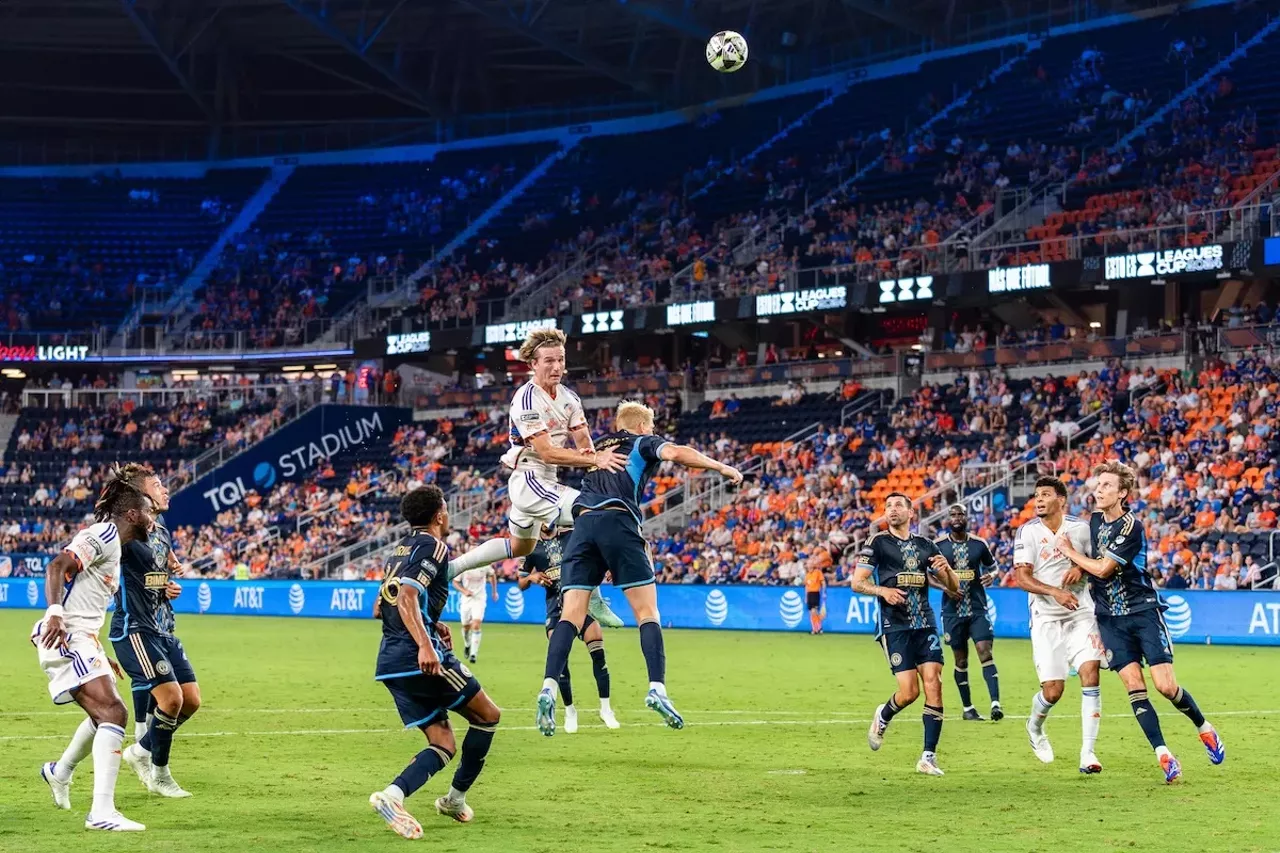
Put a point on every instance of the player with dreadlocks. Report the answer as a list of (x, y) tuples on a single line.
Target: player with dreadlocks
[(165, 691), (79, 584)]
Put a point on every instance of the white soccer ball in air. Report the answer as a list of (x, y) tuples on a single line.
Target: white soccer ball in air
[(727, 51)]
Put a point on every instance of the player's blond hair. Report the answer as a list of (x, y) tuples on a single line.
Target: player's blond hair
[(1128, 480), (633, 416), (537, 339)]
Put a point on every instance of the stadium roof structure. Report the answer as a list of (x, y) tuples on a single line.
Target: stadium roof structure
[(213, 73)]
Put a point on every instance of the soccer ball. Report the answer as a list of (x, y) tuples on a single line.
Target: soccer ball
[(727, 51)]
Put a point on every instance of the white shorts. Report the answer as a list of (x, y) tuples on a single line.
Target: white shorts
[(471, 609), (535, 503), (78, 661), (1059, 645)]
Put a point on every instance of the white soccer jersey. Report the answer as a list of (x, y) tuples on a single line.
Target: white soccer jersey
[(474, 580), (1035, 545), (89, 593), (534, 411)]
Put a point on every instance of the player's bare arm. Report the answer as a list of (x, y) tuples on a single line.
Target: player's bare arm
[(60, 569), (1099, 567), (942, 570), (460, 588), (1022, 572), (528, 580), (446, 636), (690, 458), (606, 460), (493, 577), (411, 613), (862, 584), (581, 436)]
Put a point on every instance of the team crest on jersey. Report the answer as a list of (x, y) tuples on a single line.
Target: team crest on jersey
[(946, 638), (1119, 540), (163, 667), (911, 563), (1110, 655), (896, 660)]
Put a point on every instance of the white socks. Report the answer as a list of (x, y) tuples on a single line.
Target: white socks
[(1040, 708), (81, 744), (482, 555), (107, 743), (1090, 718), (457, 797), (550, 684), (475, 643), (604, 707), (394, 792), (139, 729), (658, 686)]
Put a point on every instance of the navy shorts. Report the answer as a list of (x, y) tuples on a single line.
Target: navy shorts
[(1135, 638), (957, 631), (906, 650), (606, 541), (813, 600), (425, 699), (151, 659)]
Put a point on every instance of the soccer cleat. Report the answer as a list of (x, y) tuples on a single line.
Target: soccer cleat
[(139, 760), (875, 734), (659, 702), (1039, 743), (61, 791), (610, 721), (928, 765), (404, 824), (461, 812), (972, 714), (1214, 746), (112, 822), (599, 611), (546, 719), (1089, 764), (473, 658), (1172, 769), (997, 713), (165, 786), (570, 720)]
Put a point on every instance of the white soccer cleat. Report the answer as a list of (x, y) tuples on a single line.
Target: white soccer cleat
[(139, 760), (928, 765), (165, 786), (570, 719), (610, 721), (1040, 743), (1089, 763), (461, 812), (875, 734), (112, 822), (392, 811), (61, 791)]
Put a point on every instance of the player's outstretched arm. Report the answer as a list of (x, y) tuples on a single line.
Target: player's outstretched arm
[(1100, 567), (563, 456), (688, 457)]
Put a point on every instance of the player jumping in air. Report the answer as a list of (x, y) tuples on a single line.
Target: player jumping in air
[(1064, 630), (896, 568), (964, 615), (1129, 613), (545, 417), (165, 691), (607, 538), (83, 578), (542, 567), (470, 585), (417, 665)]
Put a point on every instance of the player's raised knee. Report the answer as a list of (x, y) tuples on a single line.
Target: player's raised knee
[(1052, 691)]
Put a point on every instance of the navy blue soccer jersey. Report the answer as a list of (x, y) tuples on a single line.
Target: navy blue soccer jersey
[(623, 488), (547, 558), (420, 561), (1130, 589), (970, 560), (141, 603), (901, 564)]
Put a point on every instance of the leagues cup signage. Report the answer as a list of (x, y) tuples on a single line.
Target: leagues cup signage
[(1172, 262)]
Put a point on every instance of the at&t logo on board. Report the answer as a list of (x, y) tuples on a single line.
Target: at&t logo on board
[(791, 608), (514, 602), (297, 598), (204, 597), (33, 593), (991, 610), (1178, 617), (717, 607)]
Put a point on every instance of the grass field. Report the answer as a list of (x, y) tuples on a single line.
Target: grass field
[(295, 734)]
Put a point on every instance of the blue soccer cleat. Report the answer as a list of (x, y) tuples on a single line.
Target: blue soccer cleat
[(1214, 746), (546, 719), (600, 611), (659, 702), (1172, 769)]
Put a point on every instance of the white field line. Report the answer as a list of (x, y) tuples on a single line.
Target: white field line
[(695, 724)]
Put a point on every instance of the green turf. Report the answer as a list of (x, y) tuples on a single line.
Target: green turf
[(295, 734)]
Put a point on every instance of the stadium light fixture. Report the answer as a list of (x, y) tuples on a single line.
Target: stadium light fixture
[(1094, 324), (325, 367), (1159, 282), (1222, 276), (293, 368)]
